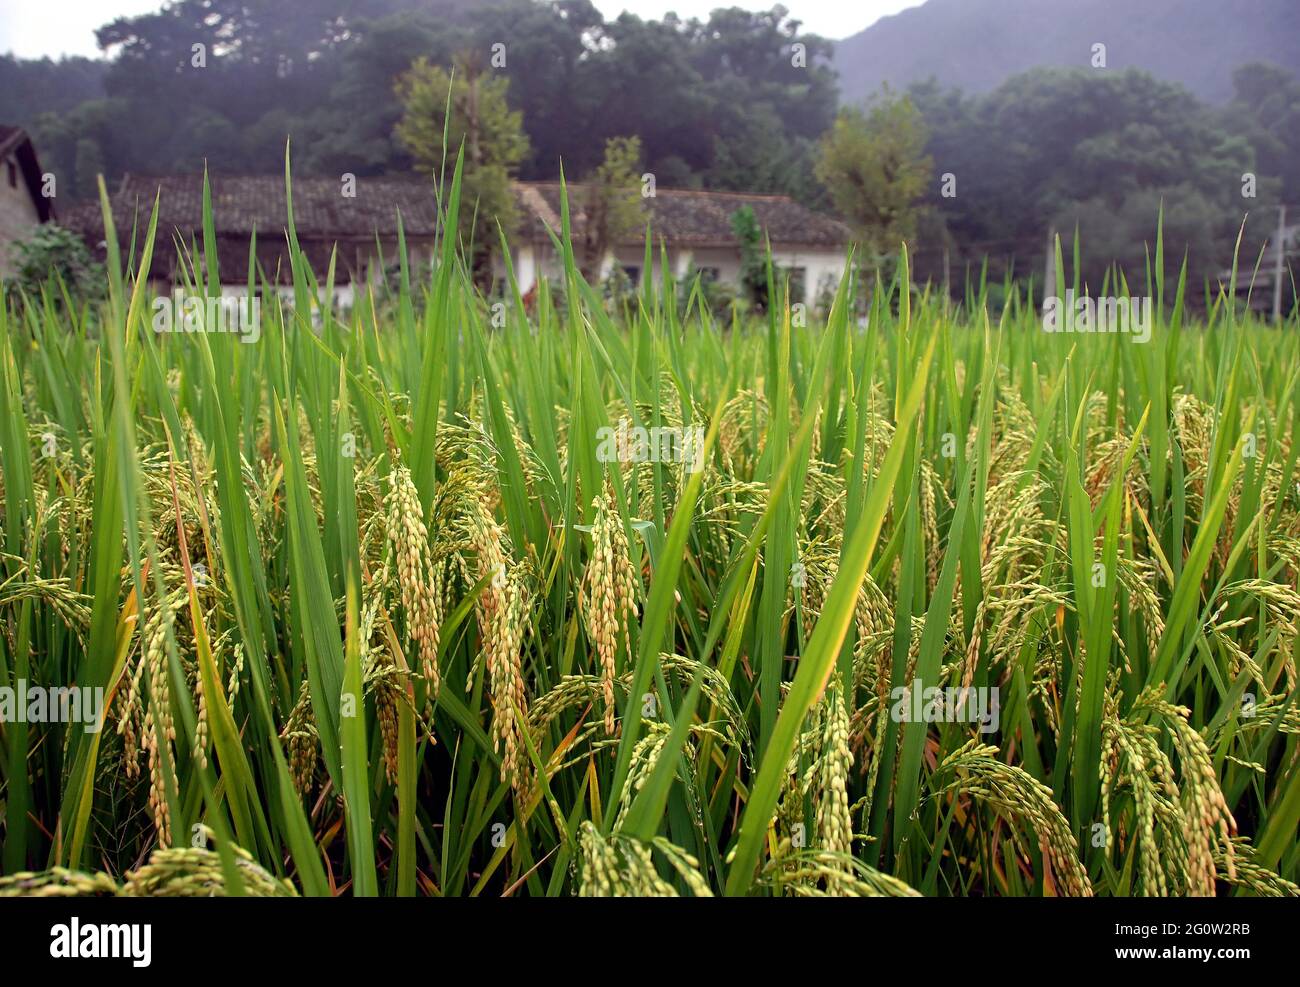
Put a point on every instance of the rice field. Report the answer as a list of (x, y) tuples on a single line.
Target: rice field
[(401, 602)]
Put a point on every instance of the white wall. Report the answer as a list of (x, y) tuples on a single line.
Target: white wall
[(530, 261), (817, 265), (724, 259), (534, 260), (18, 213)]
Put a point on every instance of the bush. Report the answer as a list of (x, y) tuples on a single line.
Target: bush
[(52, 254)]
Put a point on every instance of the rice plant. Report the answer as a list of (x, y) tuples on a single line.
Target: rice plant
[(373, 613)]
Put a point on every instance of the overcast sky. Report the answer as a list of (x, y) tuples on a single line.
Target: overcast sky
[(31, 28)]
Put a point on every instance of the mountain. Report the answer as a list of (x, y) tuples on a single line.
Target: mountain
[(975, 45)]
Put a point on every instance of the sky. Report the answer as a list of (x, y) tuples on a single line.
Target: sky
[(32, 28), (830, 18)]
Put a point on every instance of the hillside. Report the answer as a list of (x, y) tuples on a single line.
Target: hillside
[(976, 44)]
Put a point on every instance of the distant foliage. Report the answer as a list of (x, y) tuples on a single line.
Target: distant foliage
[(1265, 110), (753, 266), (470, 108), (614, 205), (873, 164), (43, 85), (1103, 153), (51, 255), (324, 71)]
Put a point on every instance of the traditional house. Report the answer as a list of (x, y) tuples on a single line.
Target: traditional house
[(695, 227), (250, 213), (358, 226), (22, 204)]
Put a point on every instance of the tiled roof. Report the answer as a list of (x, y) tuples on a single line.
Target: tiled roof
[(244, 203), (691, 218), (240, 204)]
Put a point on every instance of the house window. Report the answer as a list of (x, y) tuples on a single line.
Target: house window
[(13, 174)]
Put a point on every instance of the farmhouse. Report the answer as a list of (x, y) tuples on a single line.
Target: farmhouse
[(693, 227), (696, 229), (22, 205)]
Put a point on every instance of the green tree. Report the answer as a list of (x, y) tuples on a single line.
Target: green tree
[(1096, 152), (42, 85), (353, 129), (548, 47), (1266, 110), (480, 121), (736, 100), (612, 201), (51, 254), (753, 266), (89, 166), (874, 167)]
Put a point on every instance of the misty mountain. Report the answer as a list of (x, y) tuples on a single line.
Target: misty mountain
[(975, 45)]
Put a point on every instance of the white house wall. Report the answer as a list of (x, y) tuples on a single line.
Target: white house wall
[(820, 266), (540, 260), (18, 214)]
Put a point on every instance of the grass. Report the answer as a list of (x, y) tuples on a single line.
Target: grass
[(373, 616)]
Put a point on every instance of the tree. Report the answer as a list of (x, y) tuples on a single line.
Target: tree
[(547, 50), (874, 168), (1097, 152), (482, 123), (89, 166), (352, 131), (753, 265), (76, 146), (612, 202), (761, 156), (42, 85), (1266, 110), (51, 255), (733, 101), (759, 63), (735, 98)]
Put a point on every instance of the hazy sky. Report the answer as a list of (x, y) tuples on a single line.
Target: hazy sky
[(31, 28)]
